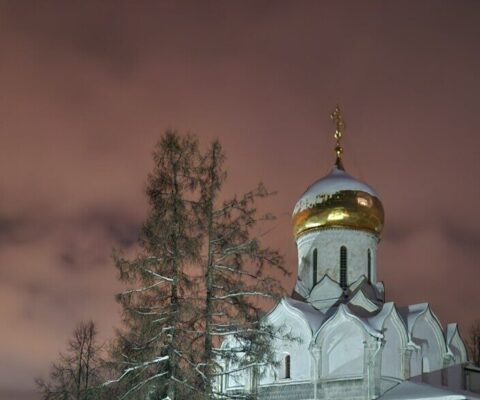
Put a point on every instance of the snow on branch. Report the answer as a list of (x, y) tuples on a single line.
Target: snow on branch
[(136, 368), (240, 294)]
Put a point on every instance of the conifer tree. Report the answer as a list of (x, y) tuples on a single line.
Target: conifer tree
[(235, 277), (196, 281), (155, 307)]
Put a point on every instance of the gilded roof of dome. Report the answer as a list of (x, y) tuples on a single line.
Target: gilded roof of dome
[(338, 200)]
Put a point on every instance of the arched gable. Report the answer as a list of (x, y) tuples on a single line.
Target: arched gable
[(356, 284), (299, 324), (301, 289), (362, 301), (325, 293), (341, 341), (395, 343), (426, 332), (455, 345), (289, 318), (370, 290)]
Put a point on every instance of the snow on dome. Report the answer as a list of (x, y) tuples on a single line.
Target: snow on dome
[(338, 200), (337, 180)]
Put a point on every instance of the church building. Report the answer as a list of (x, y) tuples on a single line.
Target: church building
[(353, 345)]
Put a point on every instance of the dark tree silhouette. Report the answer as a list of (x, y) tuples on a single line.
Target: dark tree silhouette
[(474, 343), (76, 374), (197, 279)]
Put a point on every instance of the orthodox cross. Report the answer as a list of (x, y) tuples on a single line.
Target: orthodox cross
[(336, 116)]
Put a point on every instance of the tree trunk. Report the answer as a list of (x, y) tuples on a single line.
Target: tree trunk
[(79, 366), (209, 271), (171, 392)]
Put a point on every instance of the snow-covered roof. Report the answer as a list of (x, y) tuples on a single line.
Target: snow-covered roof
[(411, 313), (377, 320), (301, 288), (372, 292), (345, 310), (337, 180), (452, 329), (313, 316), (372, 320), (408, 390), (325, 293), (363, 302)]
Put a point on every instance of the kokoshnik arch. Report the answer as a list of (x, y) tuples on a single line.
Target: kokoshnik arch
[(353, 344)]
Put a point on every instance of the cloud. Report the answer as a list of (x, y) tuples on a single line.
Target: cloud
[(19, 229), (117, 224), (93, 236), (465, 236), (56, 270), (61, 31)]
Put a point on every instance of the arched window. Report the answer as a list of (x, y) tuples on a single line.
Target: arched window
[(343, 267), (369, 266), (286, 367), (314, 266)]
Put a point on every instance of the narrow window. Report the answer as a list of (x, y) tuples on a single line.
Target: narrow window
[(286, 367), (314, 269), (425, 369), (369, 266), (343, 267)]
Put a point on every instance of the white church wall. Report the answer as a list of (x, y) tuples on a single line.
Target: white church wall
[(458, 349), (427, 334), (455, 376), (328, 243), (393, 353), (236, 378), (341, 342), (455, 373), (416, 362), (291, 322)]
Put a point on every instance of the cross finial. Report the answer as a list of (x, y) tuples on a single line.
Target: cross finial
[(336, 116)]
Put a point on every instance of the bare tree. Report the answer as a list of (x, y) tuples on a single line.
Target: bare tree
[(474, 343), (76, 374)]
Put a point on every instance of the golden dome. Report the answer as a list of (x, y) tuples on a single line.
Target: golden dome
[(338, 200)]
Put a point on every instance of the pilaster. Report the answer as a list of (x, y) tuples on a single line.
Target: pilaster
[(407, 360), (373, 364), (315, 351)]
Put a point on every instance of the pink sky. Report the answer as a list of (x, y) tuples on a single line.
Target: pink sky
[(88, 87)]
